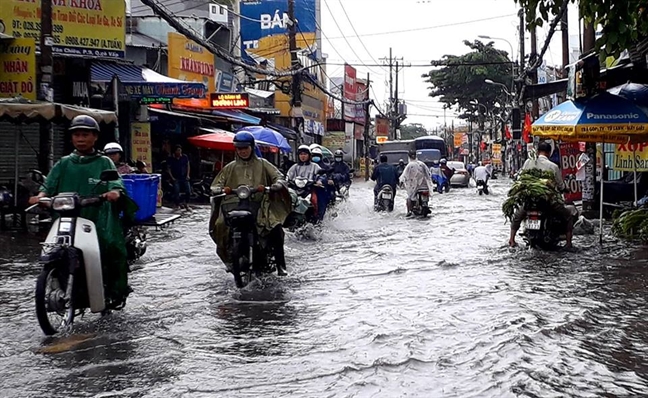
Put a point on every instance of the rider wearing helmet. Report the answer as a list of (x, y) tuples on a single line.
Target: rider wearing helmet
[(309, 169), (383, 174), (252, 170), (340, 170), (415, 176), (400, 167), (80, 172), (447, 171), (114, 151)]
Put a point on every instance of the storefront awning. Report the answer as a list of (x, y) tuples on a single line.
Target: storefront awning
[(238, 116), (141, 82), (25, 111), (285, 131)]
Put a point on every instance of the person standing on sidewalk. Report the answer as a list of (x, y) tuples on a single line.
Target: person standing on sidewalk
[(179, 170)]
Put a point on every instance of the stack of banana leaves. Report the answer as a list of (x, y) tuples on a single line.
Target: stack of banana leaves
[(631, 224), (532, 186)]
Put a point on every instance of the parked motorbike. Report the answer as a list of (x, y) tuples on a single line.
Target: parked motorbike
[(482, 187), (421, 205), (544, 228), (250, 253), (201, 189), (385, 199), (135, 243), (71, 280)]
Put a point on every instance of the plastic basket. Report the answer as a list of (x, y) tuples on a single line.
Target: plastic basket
[(143, 189)]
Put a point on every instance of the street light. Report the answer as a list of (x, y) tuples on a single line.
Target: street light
[(512, 56), (489, 81)]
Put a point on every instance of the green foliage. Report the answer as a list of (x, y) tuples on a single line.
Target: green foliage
[(411, 131), (459, 85), (624, 22), (631, 224), (533, 186)]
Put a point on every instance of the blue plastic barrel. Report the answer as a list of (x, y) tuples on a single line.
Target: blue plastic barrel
[(143, 189)]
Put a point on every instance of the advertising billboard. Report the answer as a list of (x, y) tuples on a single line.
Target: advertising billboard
[(265, 18), (350, 92), (18, 68), (362, 93), (92, 27), (191, 62)]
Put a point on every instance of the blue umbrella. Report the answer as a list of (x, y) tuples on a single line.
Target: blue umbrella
[(268, 136)]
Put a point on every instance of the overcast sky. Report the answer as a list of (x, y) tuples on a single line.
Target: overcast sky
[(452, 24)]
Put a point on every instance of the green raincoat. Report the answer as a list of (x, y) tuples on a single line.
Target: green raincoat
[(274, 208), (81, 174)]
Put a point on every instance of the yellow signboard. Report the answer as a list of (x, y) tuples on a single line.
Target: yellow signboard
[(624, 154), (80, 27), (191, 62), (18, 68), (458, 139), (497, 154), (141, 142), (334, 140)]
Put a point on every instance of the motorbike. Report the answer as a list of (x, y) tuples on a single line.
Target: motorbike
[(441, 183), (201, 189), (71, 280), (482, 187), (421, 205), (135, 243), (385, 199), (250, 253), (544, 228), (304, 211)]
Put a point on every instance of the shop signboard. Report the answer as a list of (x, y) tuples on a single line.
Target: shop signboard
[(569, 154), (191, 62), (18, 68), (262, 19), (334, 140), (164, 90), (458, 139), (229, 100), (382, 127), (79, 27), (358, 132), (497, 154), (350, 92), (624, 154), (141, 142), (362, 94)]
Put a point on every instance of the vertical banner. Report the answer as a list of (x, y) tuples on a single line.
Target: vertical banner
[(18, 68), (569, 155), (361, 95), (141, 142), (496, 154), (458, 139), (350, 92)]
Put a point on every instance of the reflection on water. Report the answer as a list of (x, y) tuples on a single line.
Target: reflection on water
[(376, 305)]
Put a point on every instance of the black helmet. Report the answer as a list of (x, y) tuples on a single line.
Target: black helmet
[(84, 122), (411, 153), (243, 139)]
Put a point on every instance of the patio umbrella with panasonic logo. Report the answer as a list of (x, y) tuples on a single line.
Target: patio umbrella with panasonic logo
[(604, 118)]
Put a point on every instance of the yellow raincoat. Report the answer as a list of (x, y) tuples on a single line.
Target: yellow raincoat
[(274, 207)]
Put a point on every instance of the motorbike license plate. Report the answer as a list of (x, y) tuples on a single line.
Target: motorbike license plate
[(533, 224), (386, 196)]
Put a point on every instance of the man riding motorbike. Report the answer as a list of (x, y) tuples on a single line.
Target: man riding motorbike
[(400, 168), (481, 175), (340, 170), (447, 171), (437, 175), (383, 174), (80, 172), (415, 176), (248, 169), (543, 163), (307, 169)]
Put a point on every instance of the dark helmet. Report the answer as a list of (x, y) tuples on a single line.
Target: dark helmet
[(383, 158), (401, 161), (338, 155), (84, 122), (243, 139), (412, 153), (544, 147)]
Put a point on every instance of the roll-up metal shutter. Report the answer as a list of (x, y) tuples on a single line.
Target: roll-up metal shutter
[(28, 145)]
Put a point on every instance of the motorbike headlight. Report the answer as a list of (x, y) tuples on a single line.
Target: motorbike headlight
[(301, 183), (243, 192), (63, 203)]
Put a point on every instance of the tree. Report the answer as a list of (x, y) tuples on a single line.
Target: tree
[(411, 131), (461, 81), (624, 22)]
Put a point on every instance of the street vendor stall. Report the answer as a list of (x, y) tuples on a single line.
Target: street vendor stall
[(603, 118)]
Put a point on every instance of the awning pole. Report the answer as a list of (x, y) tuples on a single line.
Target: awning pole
[(601, 199), (16, 151), (634, 167)]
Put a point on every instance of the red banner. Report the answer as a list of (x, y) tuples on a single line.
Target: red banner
[(569, 154), (350, 92), (382, 127)]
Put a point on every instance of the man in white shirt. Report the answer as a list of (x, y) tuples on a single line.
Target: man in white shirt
[(481, 174), (543, 163)]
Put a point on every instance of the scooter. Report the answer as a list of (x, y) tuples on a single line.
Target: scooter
[(544, 228), (421, 205), (385, 199), (251, 254), (201, 189), (482, 187), (71, 280), (304, 211)]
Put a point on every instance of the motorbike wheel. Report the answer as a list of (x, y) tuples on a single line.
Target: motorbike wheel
[(446, 187), (481, 192), (49, 278)]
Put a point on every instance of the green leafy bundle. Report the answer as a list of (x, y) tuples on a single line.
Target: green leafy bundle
[(631, 225), (533, 186)]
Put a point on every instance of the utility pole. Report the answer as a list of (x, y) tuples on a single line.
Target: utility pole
[(296, 111), (393, 112), (45, 89), (564, 26), (590, 207), (534, 73), (367, 107)]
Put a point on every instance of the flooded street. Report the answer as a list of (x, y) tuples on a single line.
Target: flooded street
[(378, 306)]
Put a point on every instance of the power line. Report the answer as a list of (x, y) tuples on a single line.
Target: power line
[(431, 27), (354, 31)]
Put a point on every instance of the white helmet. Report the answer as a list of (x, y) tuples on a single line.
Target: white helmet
[(112, 147), (317, 151), (304, 149)]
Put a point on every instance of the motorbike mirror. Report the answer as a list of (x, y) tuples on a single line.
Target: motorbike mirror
[(109, 175), (260, 188), (37, 176)]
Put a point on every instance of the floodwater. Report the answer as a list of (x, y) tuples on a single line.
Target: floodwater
[(377, 306)]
